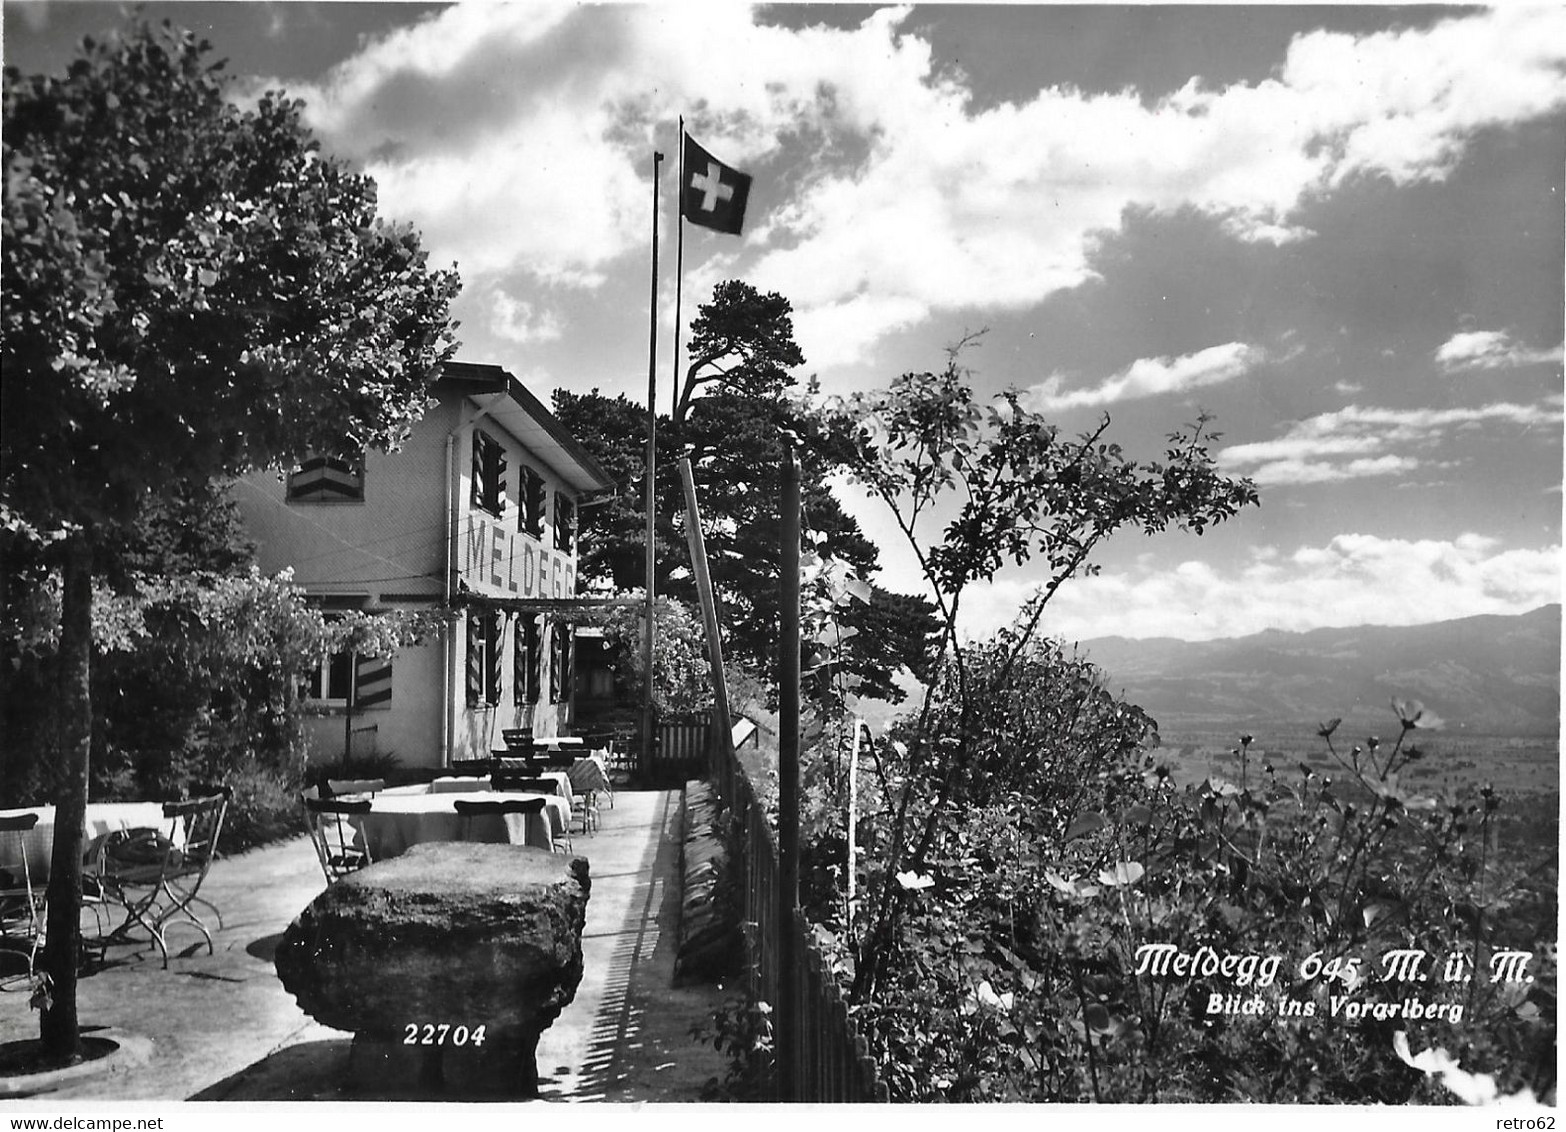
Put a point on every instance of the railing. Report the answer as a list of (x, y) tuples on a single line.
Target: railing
[(832, 1060), (681, 750)]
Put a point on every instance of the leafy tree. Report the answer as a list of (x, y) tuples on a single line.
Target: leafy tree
[(1021, 492), (191, 291), (734, 434), (742, 341)]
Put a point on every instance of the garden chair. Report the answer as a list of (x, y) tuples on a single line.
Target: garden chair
[(519, 742), (355, 787), (523, 784), (337, 831), (155, 876), (464, 768), (529, 784), (530, 807), (590, 775), (21, 905)]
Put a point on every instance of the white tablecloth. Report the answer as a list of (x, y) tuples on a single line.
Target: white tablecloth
[(103, 818), (398, 821), (462, 784)]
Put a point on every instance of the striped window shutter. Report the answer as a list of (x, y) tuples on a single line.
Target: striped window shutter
[(475, 670), (498, 480), (554, 663), (519, 661), (373, 682), (324, 479), (568, 661), (534, 651), (477, 471), (493, 631)]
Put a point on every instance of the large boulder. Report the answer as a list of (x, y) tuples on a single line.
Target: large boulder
[(483, 940)]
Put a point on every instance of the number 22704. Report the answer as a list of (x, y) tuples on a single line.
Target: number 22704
[(442, 1034)]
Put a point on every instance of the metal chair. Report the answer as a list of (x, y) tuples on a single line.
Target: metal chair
[(338, 837), (347, 787), (528, 807), (518, 741), (529, 784), (523, 784), (476, 768), (21, 905), (155, 876)]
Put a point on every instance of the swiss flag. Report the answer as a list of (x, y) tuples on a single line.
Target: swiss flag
[(713, 194)]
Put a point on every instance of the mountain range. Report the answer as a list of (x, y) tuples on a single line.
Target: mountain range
[(1489, 675)]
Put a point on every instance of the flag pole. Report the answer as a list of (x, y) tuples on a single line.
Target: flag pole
[(679, 273), (651, 470)]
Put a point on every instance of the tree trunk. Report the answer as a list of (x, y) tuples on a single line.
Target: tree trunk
[(58, 1027)]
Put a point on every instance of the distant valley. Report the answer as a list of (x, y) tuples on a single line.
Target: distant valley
[(1488, 675)]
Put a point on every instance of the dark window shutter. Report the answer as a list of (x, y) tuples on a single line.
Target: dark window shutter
[(520, 678), (565, 522), (532, 502), (498, 480)]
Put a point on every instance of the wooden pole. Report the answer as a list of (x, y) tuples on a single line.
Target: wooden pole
[(787, 1043), (722, 742), (648, 737)]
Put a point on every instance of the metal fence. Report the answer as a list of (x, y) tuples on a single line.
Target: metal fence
[(832, 1060)]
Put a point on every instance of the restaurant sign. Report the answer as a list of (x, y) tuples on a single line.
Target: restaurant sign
[(501, 562)]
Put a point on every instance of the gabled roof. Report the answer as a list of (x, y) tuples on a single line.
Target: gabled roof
[(525, 417)]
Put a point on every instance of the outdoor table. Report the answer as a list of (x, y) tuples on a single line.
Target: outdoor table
[(397, 821), (103, 818)]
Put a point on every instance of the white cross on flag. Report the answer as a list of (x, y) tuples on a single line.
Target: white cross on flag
[(714, 194)]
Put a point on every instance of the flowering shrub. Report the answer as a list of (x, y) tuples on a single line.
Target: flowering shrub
[(1083, 930)]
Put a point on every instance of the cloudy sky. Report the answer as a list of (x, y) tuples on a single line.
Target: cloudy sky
[(1337, 229)]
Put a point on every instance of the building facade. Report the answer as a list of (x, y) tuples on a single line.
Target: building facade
[(476, 516)]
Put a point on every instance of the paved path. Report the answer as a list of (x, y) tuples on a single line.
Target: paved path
[(223, 1028)]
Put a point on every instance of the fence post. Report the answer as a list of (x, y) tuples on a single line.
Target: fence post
[(788, 775)]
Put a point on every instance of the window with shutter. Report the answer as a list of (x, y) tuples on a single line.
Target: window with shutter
[(560, 664), (565, 522), (532, 502), (493, 633), (489, 474), (475, 665), (373, 682), (533, 654), (327, 479)]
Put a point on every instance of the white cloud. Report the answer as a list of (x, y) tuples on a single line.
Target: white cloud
[(1359, 442), (519, 321), (1355, 579), (518, 137), (1147, 377), (1489, 349)]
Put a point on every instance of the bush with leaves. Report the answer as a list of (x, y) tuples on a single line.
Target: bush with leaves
[(196, 681), (1019, 976), (682, 676)]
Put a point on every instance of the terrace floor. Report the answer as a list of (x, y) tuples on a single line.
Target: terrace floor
[(222, 1027)]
